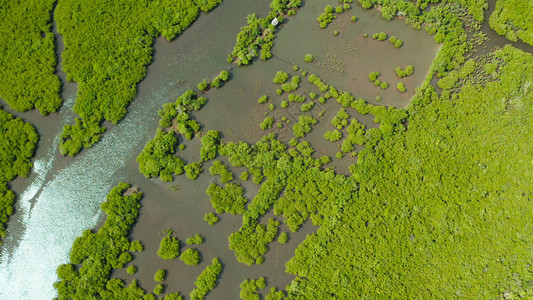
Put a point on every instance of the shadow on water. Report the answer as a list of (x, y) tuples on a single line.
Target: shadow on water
[(62, 196)]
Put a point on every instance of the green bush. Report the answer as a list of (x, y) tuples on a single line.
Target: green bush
[(207, 280), (159, 289), (220, 169), (202, 86), (309, 58), (326, 17), (263, 99), (210, 146), (191, 257), (195, 240), (373, 76), (169, 248), (401, 87), (307, 106), (211, 218), (267, 123), (227, 199), (384, 85), (250, 287), (281, 77), (160, 275), (193, 170), (303, 127), (131, 269), (283, 238), (333, 136)]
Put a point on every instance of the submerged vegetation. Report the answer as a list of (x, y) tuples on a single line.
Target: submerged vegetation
[(17, 144)]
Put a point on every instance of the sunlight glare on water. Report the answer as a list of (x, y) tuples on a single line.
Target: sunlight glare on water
[(67, 205)]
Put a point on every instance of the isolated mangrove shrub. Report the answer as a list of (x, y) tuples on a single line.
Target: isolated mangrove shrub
[(373, 76), (281, 77), (404, 73), (333, 136), (191, 257), (283, 238), (173, 296), (211, 218), (307, 106), (326, 17), (284, 103), (207, 280), (202, 86), (384, 85), (323, 87), (193, 170), (250, 288), (380, 36), (396, 42), (309, 58), (131, 269), (401, 87), (262, 99), (196, 239), (160, 275), (169, 248), (267, 123)]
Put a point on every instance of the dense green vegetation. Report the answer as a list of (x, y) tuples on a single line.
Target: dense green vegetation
[(219, 168), (513, 18), (260, 33), (191, 257), (250, 242), (303, 127), (107, 48), (195, 240), (95, 255), (250, 287), (17, 144), (160, 275), (211, 218), (227, 199), (157, 157), (131, 269), (28, 60), (207, 280), (193, 170), (451, 198), (169, 248), (408, 71)]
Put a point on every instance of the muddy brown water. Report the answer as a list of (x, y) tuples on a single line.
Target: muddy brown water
[(62, 195)]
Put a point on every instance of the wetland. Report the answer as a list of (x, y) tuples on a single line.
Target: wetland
[(347, 165)]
